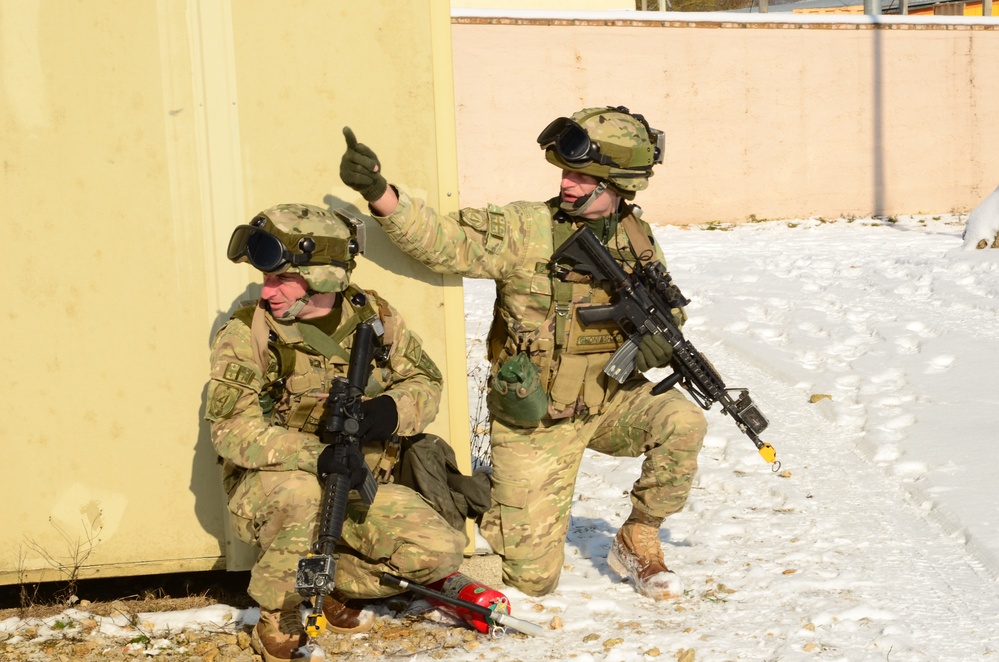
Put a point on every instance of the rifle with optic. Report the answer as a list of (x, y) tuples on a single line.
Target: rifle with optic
[(316, 572), (643, 303)]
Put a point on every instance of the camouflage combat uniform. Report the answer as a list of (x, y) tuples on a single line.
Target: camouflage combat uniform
[(264, 430), (535, 466)]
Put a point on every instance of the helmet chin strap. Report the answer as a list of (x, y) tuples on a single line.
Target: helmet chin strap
[(295, 308), (582, 204)]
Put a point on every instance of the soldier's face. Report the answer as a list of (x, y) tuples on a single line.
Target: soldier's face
[(576, 185), (282, 290)]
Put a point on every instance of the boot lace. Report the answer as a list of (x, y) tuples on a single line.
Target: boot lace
[(290, 622), (647, 547)]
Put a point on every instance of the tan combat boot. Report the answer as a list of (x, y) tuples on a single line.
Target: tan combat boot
[(637, 555), (280, 635), (346, 616)]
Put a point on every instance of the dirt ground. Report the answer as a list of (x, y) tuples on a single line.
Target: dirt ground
[(397, 631)]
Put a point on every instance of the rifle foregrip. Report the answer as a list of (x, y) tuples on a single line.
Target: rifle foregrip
[(667, 383)]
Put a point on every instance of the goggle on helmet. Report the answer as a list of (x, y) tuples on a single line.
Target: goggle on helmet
[(609, 143), (302, 238)]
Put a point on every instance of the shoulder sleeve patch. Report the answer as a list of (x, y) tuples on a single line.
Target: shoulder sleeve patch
[(414, 354), (222, 400), (475, 218)]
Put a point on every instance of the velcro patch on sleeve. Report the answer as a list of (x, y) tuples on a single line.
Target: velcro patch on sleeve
[(238, 373)]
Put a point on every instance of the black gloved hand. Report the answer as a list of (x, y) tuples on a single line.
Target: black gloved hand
[(379, 418), (654, 351), (352, 469), (360, 169)]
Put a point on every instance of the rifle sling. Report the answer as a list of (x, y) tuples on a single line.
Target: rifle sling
[(638, 239)]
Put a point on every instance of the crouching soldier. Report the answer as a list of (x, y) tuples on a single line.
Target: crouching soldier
[(272, 366)]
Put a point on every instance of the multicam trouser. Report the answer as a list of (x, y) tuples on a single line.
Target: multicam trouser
[(399, 533), (534, 475)]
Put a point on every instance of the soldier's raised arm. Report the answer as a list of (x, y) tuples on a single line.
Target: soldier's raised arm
[(361, 171)]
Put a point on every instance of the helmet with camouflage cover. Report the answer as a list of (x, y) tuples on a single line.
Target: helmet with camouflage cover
[(302, 239), (609, 143)]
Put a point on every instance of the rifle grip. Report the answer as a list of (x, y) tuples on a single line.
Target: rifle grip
[(592, 314)]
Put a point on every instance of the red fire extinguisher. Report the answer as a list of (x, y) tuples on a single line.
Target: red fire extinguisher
[(485, 609), (462, 587)]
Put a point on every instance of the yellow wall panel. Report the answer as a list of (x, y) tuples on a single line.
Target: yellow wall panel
[(134, 136)]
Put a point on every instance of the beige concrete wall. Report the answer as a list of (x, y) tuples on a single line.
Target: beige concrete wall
[(562, 5), (134, 135), (772, 117)]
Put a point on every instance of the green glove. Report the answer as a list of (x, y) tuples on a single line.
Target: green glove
[(359, 169), (653, 352)]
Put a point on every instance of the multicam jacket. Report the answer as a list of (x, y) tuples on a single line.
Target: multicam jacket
[(268, 421), (512, 245)]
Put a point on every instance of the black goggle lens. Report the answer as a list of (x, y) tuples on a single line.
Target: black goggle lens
[(237, 243), (574, 146), (266, 252), (550, 133), (571, 142), (261, 249)]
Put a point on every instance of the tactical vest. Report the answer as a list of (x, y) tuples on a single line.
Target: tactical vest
[(569, 357), (294, 360)]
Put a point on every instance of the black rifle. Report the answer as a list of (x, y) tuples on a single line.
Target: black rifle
[(643, 304), (316, 572)]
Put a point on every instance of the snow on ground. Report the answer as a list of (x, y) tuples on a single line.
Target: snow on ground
[(983, 223), (878, 538)]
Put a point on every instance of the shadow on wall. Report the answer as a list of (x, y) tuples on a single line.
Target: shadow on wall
[(877, 130), (380, 249), (206, 482)]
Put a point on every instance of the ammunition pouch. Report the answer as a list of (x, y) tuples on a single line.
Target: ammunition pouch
[(579, 385)]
